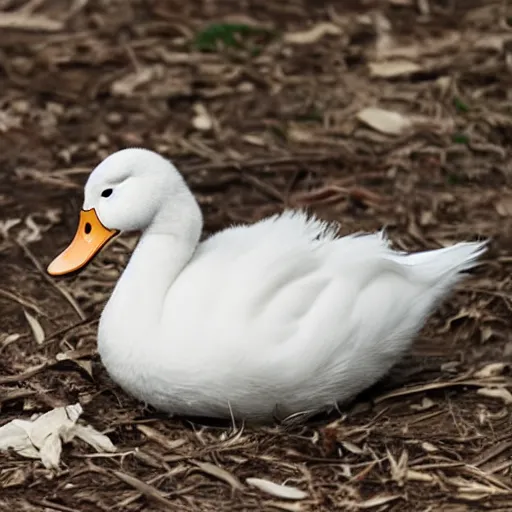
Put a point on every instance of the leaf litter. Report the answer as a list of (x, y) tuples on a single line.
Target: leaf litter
[(370, 114), (42, 437)]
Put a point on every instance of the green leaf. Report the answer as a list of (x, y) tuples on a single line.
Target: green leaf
[(227, 34), (460, 138), (460, 105)]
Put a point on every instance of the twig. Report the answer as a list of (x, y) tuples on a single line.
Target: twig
[(435, 385), (54, 506), (21, 301), (32, 22), (9, 379), (52, 337), (266, 162), (147, 490), (62, 291)]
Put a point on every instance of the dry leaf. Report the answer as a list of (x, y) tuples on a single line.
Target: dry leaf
[(384, 121), (504, 206), (159, 438), (425, 404), (35, 326), (202, 120), (393, 68), (429, 447), (125, 86), (398, 469), (280, 491), (255, 140), (286, 506), (377, 501), (29, 22), (351, 447), (85, 364), (43, 436), (12, 477), (502, 393), (221, 474), (145, 489), (491, 370), (418, 476), (100, 442), (313, 34)]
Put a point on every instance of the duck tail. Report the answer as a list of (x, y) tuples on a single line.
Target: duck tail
[(448, 262)]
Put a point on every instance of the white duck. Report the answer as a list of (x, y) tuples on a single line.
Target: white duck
[(258, 321)]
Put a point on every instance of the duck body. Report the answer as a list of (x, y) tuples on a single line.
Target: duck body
[(260, 321)]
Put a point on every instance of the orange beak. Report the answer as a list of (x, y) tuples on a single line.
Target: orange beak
[(91, 236)]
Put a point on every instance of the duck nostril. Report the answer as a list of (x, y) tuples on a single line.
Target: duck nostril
[(88, 228)]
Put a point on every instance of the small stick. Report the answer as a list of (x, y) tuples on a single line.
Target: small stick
[(62, 291)]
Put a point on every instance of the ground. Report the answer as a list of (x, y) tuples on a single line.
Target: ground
[(262, 106)]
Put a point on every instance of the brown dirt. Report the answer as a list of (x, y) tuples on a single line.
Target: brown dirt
[(78, 83)]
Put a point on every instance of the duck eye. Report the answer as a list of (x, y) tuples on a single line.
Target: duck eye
[(107, 192)]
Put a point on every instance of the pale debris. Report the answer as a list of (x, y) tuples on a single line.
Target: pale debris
[(42, 436), (281, 491), (384, 121)]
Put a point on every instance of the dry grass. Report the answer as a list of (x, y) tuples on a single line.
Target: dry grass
[(272, 117)]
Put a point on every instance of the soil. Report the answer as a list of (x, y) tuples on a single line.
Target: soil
[(262, 106)]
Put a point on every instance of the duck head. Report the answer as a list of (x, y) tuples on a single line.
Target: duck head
[(130, 190)]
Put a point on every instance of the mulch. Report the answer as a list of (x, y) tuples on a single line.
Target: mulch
[(371, 113)]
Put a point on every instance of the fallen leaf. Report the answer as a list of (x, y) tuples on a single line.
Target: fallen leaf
[(147, 490), (126, 85), (491, 370), (384, 121), (42, 437), (398, 469), (12, 477), (15, 435), (35, 326), (418, 476), (429, 447), (504, 206), (286, 506), (313, 34), (159, 438), (29, 22), (202, 120), (100, 442), (502, 393), (377, 501), (351, 447), (85, 364), (280, 491), (393, 68), (255, 140), (425, 404), (221, 474)]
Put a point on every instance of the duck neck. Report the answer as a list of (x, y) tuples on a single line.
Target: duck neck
[(164, 249)]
